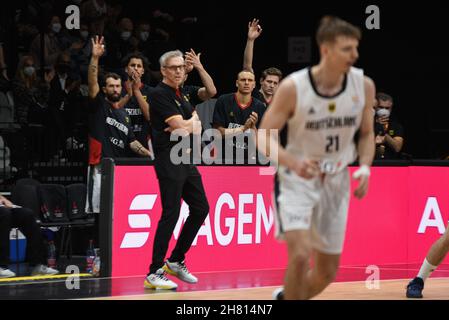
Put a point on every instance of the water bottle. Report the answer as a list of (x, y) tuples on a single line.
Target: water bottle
[(51, 260), (97, 263), (90, 256)]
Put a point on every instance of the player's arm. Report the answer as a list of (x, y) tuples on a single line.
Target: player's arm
[(396, 143), (138, 148), (366, 143), (208, 90), (254, 31), (184, 127), (143, 104), (129, 93), (92, 75)]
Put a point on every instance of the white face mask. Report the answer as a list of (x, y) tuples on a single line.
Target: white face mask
[(383, 112), (84, 34), (29, 71), (144, 35), (56, 27), (126, 35)]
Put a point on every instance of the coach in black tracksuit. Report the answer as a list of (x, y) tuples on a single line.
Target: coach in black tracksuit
[(170, 110)]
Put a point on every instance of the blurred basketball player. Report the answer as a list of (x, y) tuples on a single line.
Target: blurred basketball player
[(324, 106)]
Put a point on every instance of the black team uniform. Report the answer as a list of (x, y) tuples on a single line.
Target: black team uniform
[(229, 113), (140, 126), (175, 181)]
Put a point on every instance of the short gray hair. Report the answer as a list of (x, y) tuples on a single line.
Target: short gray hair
[(168, 55)]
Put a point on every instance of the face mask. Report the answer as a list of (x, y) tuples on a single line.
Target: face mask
[(126, 35), (383, 113), (29, 71), (84, 34), (144, 35), (56, 27)]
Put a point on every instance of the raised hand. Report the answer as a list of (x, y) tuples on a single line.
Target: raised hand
[(97, 47), (254, 29), (193, 59)]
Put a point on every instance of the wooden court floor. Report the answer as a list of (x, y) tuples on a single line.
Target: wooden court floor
[(436, 289)]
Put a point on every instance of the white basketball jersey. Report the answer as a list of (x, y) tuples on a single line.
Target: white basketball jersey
[(323, 128)]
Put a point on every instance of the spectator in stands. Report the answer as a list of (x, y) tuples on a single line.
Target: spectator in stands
[(52, 44), (389, 133), (80, 50), (30, 92), (12, 216), (234, 114), (146, 38), (31, 108), (95, 13), (120, 43), (64, 88), (25, 34)]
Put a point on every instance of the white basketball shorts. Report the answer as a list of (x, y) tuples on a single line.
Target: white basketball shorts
[(319, 205)]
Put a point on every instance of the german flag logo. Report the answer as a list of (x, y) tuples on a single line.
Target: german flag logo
[(332, 106)]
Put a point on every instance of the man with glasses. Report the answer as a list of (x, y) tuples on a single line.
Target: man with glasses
[(171, 110), (389, 133)]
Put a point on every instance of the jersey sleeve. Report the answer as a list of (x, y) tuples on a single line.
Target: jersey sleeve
[(219, 117)]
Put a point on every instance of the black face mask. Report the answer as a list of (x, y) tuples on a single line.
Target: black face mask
[(63, 68)]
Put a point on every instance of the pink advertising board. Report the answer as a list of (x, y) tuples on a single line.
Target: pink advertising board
[(238, 234)]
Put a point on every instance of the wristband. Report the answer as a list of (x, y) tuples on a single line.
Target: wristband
[(364, 170)]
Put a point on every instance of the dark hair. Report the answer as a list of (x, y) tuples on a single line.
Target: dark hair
[(271, 72), (331, 27), (112, 75), (381, 96), (135, 55)]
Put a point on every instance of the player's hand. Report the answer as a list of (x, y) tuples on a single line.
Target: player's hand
[(254, 29), (5, 202), (137, 80), (362, 174), (251, 121), (306, 168), (380, 139), (193, 60), (97, 46)]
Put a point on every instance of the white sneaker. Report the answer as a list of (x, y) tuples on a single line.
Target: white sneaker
[(42, 270), (6, 273), (179, 269), (278, 294), (158, 280)]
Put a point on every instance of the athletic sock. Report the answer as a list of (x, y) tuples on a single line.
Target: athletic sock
[(426, 270)]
